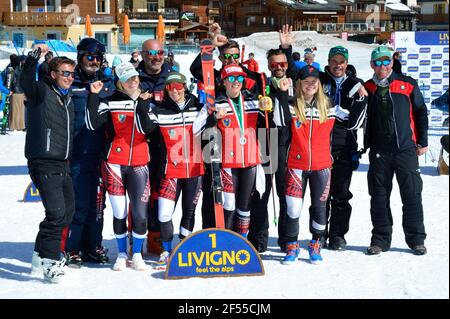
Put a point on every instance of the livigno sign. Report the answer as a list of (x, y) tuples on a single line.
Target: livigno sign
[(214, 253), (31, 194)]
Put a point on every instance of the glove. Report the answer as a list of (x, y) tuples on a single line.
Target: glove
[(356, 156), (35, 54), (265, 103)]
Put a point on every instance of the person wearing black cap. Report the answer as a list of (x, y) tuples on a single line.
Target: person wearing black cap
[(84, 236), (308, 160), (350, 99)]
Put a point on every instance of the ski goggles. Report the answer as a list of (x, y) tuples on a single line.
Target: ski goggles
[(276, 65), (379, 63), (66, 74), (228, 56), (154, 52), (175, 86), (233, 78), (92, 57)]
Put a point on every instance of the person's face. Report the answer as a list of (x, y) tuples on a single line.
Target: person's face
[(91, 62), (153, 55), (310, 85), (382, 67), (309, 59), (64, 76), (176, 91), (132, 84), (233, 85), (278, 65), (230, 56), (135, 56), (337, 65)]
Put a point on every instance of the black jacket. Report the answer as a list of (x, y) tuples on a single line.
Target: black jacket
[(409, 112), (50, 118)]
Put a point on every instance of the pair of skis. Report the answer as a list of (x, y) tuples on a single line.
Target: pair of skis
[(8, 85)]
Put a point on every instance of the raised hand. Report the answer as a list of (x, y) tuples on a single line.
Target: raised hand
[(219, 40), (146, 95), (284, 84), (221, 113), (96, 87), (43, 47), (214, 29), (286, 36)]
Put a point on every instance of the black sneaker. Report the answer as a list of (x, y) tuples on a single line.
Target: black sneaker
[(73, 260), (99, 256), (337, 243), (374, 250), (419, 250)]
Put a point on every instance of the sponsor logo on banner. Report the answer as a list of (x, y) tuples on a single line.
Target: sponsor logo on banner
[(436, 94), (413, 68), (424, 87), (403, 62), (425, 50), (436, 81), (413, 56), (445, 49), (445, 62), (436, 56), (424, 75), (402, 50), (431, 38), (425, 62), (436, 118), (436, 69), (445, 75), (427, 100)]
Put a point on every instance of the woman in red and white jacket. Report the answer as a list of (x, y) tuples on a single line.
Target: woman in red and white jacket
[(309, 160), (125, 167), (183, 164), (238, 118)]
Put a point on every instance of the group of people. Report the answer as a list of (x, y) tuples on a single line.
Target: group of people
[(139, 136)]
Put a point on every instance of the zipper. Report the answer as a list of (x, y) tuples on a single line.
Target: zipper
[(185, 146), (132, 132), (310, 138), (49, 131), (393, 114), (68, 128)]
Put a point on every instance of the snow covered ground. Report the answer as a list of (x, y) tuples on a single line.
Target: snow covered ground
[(350, 274)]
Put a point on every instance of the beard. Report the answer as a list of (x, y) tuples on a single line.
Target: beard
[(91, 69)]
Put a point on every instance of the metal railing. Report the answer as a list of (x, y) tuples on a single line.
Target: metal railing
[(344, 27), (34, 18)]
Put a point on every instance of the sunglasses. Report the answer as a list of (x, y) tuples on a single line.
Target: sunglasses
[(228, 56), (155, 52), (66, 74), (379, 63), (233, 78), (175, 86), (276, 65), (92, 57)]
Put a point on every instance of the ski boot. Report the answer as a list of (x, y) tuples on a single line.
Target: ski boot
[(99, 256), (121, 262), (53, 270), (73, 260), (163, 261), (314, 248), (293, 250), (137, 263)]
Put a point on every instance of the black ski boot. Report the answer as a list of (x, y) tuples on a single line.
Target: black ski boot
[(99, 256), (73, 260)]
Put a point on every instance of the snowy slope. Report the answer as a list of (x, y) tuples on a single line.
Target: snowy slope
[(349, 274)]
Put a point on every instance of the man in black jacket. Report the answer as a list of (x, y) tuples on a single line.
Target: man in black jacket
[(396, 133), (48, 148), (349, 98)]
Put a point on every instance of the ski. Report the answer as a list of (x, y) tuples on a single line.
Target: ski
[(8, 85), (208, 79)]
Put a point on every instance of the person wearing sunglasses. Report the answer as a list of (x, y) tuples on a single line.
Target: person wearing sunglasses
[(182, 157), (48, 149), (229, 53), (153, 72), (238, 118), (396, 133), (125, 166), (350, 101), (84, 235)]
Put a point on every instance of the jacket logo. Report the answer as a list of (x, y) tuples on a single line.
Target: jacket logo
[(402, 87), (122, 118), (298, 124), (227, 122), (172, 133)]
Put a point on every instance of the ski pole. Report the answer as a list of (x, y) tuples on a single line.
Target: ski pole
[(265, 92)]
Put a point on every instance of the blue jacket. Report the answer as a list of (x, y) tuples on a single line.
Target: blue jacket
[(86, 142)]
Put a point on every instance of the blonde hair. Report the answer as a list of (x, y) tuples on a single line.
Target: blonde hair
[(322, 103), (119, 87)]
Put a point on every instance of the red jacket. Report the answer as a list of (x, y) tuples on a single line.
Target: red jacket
[(128, 145), (182, 148), (310, 148), (252, 65), (239, 150)]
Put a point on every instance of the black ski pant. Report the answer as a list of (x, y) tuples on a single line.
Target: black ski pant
[(338, 205), (85, 231), (382, 167), (53, 180), (208, 217)]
